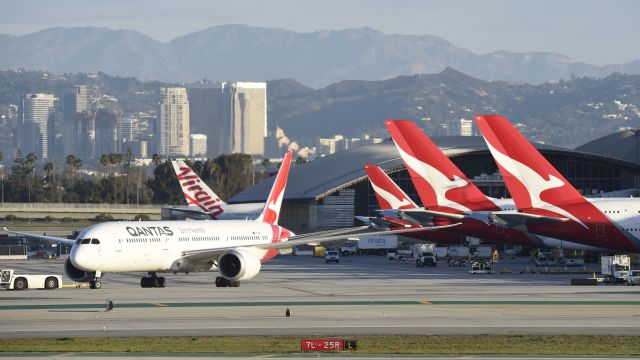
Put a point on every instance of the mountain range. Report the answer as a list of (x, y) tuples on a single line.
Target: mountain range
[(245, 53)]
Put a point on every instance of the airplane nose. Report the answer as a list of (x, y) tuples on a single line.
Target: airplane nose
[(80, 258)]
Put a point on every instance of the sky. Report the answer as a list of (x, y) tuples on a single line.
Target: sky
[(596, 32)]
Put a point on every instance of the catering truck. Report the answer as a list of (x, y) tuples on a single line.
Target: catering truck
[(377, 245), (11, 281), (615, 268)]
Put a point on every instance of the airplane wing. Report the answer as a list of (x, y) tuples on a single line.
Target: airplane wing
[(514, 218), (43, 237), (306, 239)]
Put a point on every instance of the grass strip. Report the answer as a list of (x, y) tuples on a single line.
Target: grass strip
[(594, 345)]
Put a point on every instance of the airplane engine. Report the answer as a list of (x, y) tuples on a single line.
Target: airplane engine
[(76, 274), (240, 264)]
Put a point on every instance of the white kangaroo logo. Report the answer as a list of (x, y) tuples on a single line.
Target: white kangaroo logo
[(438, 181), (393, 201), (532, 181)]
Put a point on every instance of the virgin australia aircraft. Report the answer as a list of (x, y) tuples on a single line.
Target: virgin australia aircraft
[(202, 200), (237, 248)]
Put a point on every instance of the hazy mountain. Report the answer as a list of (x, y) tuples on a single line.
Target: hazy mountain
[(567, 113), (240, 52)]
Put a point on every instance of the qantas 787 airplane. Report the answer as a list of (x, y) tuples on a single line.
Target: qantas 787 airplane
[(236, 247), (202, 200)]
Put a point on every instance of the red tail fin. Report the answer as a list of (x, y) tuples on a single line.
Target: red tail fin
[(271, 211), (532, 181), (388, 193), (438, 181)]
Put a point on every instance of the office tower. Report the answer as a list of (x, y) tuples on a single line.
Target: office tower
[(106, 140), (198, 145), (127, 129), (460, 127), (205, 116), (76, 101), (174, 122), (248, 115), (37, 110)]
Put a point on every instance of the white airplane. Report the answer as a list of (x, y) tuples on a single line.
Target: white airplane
[(204, 201), (237, 248)]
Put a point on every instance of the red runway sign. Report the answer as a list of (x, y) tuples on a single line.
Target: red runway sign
[(327, 345)]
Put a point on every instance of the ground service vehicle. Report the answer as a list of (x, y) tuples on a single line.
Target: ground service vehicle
[(615, 268), (12, 281), (425, 255), (350, 248), (634, 277), (377, 244), (332, 256)]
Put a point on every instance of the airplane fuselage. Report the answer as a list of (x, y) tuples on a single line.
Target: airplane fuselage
[(159, 246)]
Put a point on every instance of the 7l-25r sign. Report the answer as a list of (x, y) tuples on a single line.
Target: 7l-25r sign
[(327, 345)]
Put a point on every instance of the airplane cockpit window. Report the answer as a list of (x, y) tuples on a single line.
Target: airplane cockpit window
[(95, 241), (85, 241)]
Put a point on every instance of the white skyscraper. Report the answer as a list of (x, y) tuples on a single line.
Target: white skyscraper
[(198, 145), (173, 128), (248, 116), (36, 112)]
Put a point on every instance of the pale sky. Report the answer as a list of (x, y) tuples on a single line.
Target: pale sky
[(596, 32)]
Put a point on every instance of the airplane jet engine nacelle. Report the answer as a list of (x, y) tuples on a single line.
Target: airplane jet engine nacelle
[(76, 274), (239, 264)]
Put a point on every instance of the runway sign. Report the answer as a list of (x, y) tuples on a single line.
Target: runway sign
[(327, 345)]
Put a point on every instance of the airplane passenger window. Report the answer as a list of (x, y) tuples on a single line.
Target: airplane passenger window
[(95, 241), (85, 241)]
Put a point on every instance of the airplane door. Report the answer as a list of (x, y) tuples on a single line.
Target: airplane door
[(599, 231)]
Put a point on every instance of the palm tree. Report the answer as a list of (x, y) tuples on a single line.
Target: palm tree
[(49, 172), (29, 164)]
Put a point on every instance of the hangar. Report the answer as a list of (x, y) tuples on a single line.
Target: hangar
[(328, 192)]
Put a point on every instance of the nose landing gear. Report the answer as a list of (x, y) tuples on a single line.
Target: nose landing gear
[(95, 284), (153, 281)]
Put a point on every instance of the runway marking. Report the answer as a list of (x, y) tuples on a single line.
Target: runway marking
[(320, 303)]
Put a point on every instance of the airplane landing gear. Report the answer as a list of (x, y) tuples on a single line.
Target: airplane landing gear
[(95, 284), (224, 282), (153, 281)]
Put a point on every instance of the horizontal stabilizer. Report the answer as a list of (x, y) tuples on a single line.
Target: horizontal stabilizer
[(425, 217), (514, 218)]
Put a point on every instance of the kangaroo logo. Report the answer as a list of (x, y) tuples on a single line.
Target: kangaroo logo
[(533, 182), (393, 200), (438, 181)]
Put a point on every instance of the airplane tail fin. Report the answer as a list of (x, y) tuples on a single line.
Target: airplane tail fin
[(438, 181), (388, 193), (532, 181), (271, 211), (196, 191)]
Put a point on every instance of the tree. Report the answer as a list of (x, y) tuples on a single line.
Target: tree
[(49, 173)]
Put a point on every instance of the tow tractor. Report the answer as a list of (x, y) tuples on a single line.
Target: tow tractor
[(11, 281)]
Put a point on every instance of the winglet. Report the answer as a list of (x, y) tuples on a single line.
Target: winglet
[(196, 191), (271, 211), (388, 193)]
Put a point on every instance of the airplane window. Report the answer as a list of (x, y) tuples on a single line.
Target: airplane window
[(95, 241), (85, 241)]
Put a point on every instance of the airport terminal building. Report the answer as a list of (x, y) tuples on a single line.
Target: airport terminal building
[(328, 192)]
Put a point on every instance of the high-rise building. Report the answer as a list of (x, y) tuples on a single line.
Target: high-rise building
[(248, 116), (198, 145), (106, 133), (205, 116), (174, 122), (76, 101), (462, 127), (37, 110)]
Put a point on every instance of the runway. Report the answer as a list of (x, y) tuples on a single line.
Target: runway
[(360, 295)]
